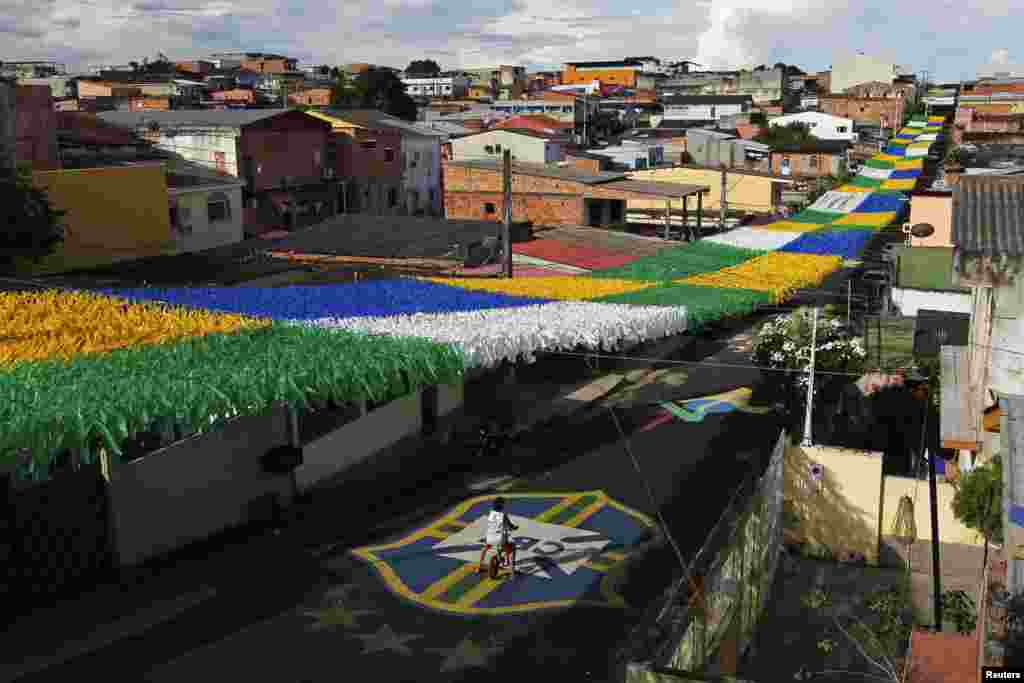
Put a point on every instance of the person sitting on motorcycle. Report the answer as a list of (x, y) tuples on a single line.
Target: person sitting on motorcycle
[(498, 526)]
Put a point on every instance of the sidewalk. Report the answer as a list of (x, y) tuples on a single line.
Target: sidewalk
[(204, 574)]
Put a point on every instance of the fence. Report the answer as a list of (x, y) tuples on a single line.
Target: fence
[(737, 564)]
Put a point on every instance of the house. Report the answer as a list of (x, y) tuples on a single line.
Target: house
[(149, 104), (255, 61), (437, 86), (35, 127), (886, 112), (502, 82), (763, 87), (973, 126), (883, 89), (206, 209), (632, 155), (367, 160), (810, 159), (622, 72), (282, 156), (538, 123), (313, 97), (420, 156), (851, 70), (526, 145), (114, 213), (550, 195), (751, 191), (198, 67), (705, 108), (712, 149), (235, 95), (565, 109), (86, 141), (822, 126), (60, 86)]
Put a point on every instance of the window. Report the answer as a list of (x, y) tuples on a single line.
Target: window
[(489, 208), (392, 197), (218, 207), (813, 161), (369, 144), (489, 149), (389, 154), (841, 129)]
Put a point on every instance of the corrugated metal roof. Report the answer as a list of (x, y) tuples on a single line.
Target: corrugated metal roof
[(707, 99), (569, 173), (988, 215), (181, 117), (654, 187)]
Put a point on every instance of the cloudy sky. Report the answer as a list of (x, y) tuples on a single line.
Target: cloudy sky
[(951, 39)]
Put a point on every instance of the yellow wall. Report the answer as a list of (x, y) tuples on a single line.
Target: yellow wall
[(950, 528), (113, 214), (939, 212), (843, 513), (744, 192)]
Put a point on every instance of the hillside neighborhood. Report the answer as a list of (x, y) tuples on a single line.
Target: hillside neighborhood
[(628, 370)]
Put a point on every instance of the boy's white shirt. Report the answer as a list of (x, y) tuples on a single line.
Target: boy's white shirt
[(496, 527)]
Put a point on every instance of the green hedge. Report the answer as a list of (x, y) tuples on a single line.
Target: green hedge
[(50, 406), (673, 263), (703, 304)]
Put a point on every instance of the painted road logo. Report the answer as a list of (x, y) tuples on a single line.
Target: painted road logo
[(566, 547)]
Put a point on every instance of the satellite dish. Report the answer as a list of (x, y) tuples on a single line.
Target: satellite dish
[(922, 230)]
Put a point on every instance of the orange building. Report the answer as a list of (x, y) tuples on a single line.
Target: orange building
[(622, 73), (314, 97), (149, 104)]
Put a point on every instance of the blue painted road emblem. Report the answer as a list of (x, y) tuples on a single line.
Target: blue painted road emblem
[(567, 546)]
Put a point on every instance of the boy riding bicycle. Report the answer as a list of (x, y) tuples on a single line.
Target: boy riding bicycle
[(498, 526)]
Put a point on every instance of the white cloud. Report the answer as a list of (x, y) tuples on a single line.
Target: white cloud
[(924, 34)]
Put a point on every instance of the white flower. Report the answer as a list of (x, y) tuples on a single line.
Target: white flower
[(788, 346), (778, 357), (835, 323)]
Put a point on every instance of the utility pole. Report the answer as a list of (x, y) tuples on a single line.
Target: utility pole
[(849, 301), (810, 381), (722, 201), (936, 577), (506, 232)]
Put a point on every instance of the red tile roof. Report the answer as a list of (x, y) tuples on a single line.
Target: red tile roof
[(539, 123), (943, 658)]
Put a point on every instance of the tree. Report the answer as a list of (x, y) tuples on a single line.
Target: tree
[(374, 89), (792, 70), (423, 67), (793, 134), (978, 502), (32, 228)]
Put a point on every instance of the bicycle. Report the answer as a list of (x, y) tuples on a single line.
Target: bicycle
[(503, 557)]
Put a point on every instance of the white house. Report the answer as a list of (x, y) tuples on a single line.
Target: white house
[(206, 209), (633, 155), (822, 126), (437, 86), (704, 107), (860, 68), (421, 165), (526, 145)]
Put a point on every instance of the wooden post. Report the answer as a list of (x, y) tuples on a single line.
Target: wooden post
[(700, 212), (506, 232), (668, 217), (722, 201), (686, 216)]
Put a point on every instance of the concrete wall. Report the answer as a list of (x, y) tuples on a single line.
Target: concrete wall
[(523, 147), (807, 165), (909, 301), (823, 126), (7, 126), (951, 530), (421, 161), (113, 213), (842, 512), (745, 191), (1007, 364), (216, 148), (204, 234), (938, 211), (196, 488)]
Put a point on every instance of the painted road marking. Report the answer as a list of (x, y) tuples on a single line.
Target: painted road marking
[(107, 634), (551, 547)]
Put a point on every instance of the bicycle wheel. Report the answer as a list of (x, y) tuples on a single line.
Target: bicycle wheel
[(495, 563)]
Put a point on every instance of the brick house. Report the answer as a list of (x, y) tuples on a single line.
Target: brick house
[(35, 127), (886, 112), (969, 123), (550, 195), (313, 97), (810, 159)]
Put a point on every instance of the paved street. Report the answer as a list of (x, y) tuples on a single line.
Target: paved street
[(402, 600)]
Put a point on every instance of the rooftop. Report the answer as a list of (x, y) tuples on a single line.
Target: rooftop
[(606, 64), (569, 173), (813, 147), (184, 117), (988, 215), (707, 99)]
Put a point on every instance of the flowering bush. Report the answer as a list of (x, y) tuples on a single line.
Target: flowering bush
[(785, 344)]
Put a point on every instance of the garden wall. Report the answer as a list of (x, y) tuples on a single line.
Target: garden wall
[(197, 487), (736, 583)]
